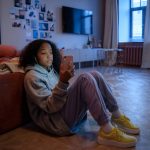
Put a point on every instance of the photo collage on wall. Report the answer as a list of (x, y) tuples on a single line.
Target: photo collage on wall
[(33, 17)]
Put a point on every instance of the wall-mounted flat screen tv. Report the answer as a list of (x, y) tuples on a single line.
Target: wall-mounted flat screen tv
[(77, 21)]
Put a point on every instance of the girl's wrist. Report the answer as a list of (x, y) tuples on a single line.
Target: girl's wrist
[(62, 85), (66, 82)]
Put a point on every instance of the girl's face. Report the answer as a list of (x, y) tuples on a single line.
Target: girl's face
[(45, 55)]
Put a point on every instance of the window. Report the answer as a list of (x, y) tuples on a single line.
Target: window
[(137, 18)]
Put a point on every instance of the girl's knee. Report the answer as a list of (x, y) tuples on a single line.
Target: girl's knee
[(86, 80), (84, 76), (97, 74)]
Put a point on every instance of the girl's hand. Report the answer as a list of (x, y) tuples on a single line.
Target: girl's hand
[(66, 70)]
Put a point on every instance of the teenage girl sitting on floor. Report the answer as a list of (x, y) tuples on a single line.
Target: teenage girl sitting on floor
[(60, 108)]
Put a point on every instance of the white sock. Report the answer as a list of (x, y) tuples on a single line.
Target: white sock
[(107, 127), (117, 113)]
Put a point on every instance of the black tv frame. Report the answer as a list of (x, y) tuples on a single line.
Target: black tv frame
[(71, 25)]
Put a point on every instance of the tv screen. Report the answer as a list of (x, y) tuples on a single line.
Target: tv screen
[(77, 21)]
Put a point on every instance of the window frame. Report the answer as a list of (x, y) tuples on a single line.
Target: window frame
[(143, 8)]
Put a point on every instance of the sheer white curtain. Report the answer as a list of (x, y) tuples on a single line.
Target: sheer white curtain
[(111, 24), (146, 46)]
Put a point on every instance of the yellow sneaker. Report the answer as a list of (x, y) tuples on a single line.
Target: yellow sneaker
[(124, 124), (116, 138)]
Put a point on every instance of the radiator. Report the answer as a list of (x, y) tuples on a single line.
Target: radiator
[(132, 53)]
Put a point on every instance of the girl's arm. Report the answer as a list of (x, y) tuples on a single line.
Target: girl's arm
[(39, 94)]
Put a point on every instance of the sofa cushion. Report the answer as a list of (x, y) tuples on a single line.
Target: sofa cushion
[(13, 109), (4, 59), (7, 51)]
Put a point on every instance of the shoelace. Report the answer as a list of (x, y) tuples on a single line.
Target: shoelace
[(129, 123), (119, 134)]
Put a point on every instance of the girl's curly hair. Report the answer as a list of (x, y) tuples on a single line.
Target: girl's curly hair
[(28, 54)]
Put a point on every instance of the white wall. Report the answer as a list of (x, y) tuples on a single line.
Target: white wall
[(16, 36)]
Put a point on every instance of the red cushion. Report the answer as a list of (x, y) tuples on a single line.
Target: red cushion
[(7, 51)]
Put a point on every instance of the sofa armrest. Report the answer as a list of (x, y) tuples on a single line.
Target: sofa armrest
[(13, 108)]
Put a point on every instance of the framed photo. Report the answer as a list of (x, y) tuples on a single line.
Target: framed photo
[(16, 24), (28, 22), (52, 27), (32, 14), (37, 4), (28, 2), (43, 7), (50, 16), (22, 14), (18, 3), (42, 35), (35, 34), (43, 26), (34, 23), (41, 16)]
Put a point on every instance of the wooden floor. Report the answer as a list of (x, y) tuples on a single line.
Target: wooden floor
[(132, 89)]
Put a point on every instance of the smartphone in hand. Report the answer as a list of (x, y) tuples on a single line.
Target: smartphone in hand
[(66, 68), (68, 59), (67, 62)]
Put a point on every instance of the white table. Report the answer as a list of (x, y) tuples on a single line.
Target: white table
[(110, 57)]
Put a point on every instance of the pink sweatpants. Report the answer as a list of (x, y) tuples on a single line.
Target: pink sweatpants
[(90, 92)]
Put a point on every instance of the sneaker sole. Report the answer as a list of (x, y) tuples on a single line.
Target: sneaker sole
[(128, 131), (103, 141)]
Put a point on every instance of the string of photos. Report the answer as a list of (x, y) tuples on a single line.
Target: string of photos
[(33, 17)]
